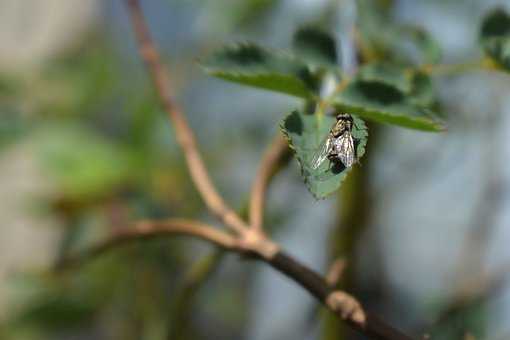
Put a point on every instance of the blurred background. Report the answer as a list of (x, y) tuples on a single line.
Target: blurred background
[(423, 223)]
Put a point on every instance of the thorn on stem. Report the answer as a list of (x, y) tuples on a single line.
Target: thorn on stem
[(335, 272), (347, 307)]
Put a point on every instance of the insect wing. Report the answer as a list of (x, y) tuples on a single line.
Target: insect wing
[(345, 149), (321, 153)]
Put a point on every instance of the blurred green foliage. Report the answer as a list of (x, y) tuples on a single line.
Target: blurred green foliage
[(101, 139), (495, 37), (102, 144)]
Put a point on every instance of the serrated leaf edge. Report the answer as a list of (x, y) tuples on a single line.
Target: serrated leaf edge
[(302, 166)]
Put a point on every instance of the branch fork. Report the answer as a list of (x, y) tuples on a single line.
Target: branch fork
[(240, 236), (254, 241)]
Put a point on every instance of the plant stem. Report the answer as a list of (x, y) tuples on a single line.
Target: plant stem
[(454, 69)]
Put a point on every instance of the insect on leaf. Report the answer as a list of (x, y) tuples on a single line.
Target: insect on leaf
[(305, 133)]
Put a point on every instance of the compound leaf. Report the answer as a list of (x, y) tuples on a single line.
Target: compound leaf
[(393, 95)]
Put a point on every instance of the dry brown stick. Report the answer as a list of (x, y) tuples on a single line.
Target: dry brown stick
[(345, 306), (250, 241), (150, 229), (267, 167), (184, 134), (341, 303)]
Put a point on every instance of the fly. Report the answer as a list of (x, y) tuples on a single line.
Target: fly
[(338, 146)]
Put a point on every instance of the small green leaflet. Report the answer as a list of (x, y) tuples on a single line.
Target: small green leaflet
[(386, 73), (388, 40), (495, 37), (392, 95), (427, 49), (255, 66), (305, 132), (315, 47)]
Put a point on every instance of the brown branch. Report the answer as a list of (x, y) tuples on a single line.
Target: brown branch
[(340, 303), (345, 306), (268, 166), (249, 240), (151, 229), (184, 134)]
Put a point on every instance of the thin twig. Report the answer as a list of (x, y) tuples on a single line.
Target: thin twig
[(150, 229), (184, 134), (249, 241), (486, 64), (345, 306), (268, 166), (204, 267)]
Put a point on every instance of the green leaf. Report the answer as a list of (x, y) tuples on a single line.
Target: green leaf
[(495, 37), (391, 94), (315, 46), (389, 74), (427, 48), (422, 91), (255, 66), (241, 15), (385, 104), (387, 39), (305, 132), (416, 86)]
